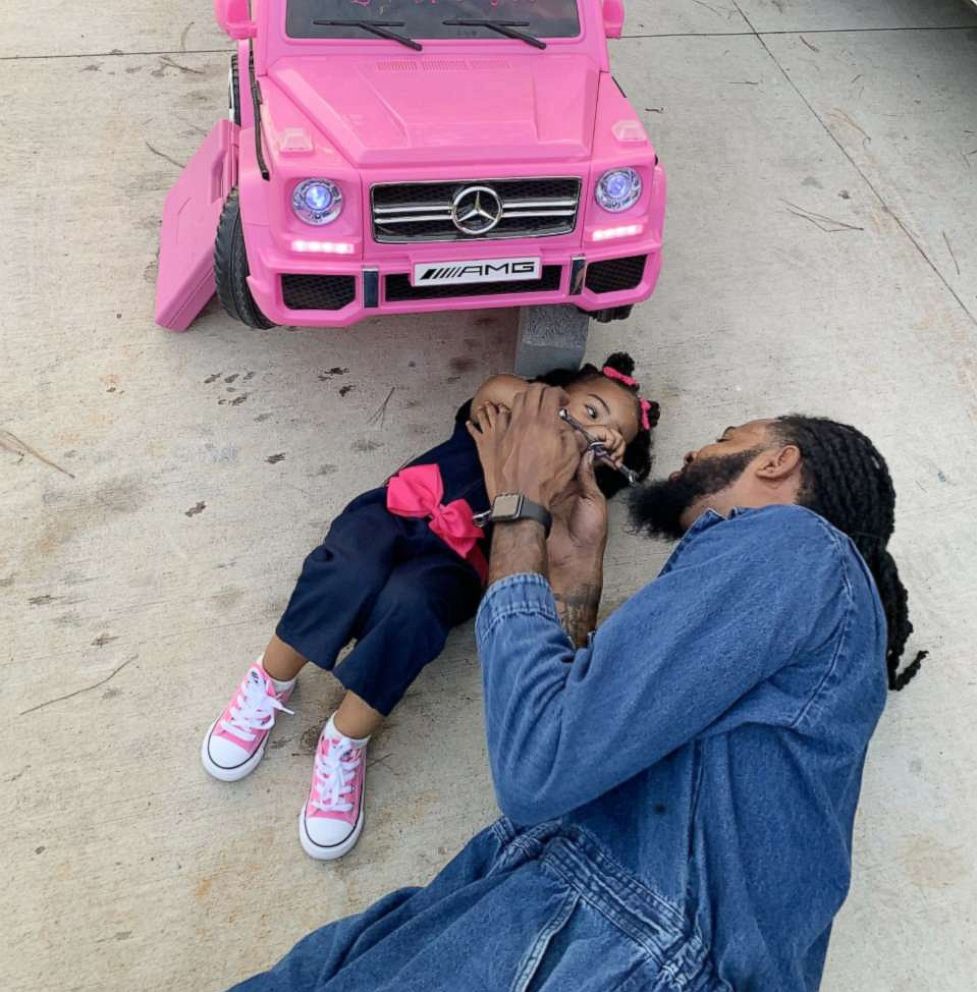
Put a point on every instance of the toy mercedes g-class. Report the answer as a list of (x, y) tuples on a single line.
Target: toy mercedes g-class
[(407, 156)]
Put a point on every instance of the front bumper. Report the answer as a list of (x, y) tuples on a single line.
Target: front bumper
[(315, 291)]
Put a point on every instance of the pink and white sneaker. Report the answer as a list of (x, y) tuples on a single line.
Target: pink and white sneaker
[(332, 819), (236, 740)]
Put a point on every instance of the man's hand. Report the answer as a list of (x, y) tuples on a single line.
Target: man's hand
[(492, 423), (576, 552), (579, 533), (538, 453)]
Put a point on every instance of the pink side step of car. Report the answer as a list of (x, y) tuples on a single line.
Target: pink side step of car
[(400, 156)]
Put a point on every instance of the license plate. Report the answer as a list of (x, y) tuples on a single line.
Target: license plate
[(479, 270)]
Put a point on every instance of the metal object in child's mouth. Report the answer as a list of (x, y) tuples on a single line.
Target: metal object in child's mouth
[(598, 448)]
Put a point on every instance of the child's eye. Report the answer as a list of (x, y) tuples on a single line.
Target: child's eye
[(591, 412)]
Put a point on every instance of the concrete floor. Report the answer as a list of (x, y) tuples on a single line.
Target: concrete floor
[(195, 471)]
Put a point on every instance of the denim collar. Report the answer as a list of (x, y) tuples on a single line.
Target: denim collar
[(705, 521)]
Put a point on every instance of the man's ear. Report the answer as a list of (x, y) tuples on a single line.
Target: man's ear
[(779, 464)]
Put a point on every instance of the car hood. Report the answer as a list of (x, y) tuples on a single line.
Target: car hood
[(444, 111)]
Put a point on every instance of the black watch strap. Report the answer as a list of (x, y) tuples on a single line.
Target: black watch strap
[(510, 507)]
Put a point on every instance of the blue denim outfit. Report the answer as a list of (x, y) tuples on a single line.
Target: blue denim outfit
[(679, 795)]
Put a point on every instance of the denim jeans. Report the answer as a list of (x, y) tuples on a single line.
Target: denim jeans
[(713, 733), (539, 910)]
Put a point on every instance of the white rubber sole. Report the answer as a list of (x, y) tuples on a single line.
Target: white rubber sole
[(335, 851), (229, 774)]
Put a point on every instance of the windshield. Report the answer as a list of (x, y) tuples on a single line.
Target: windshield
[(423, 18)]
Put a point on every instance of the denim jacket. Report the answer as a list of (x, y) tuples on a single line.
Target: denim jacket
[(711, 737)]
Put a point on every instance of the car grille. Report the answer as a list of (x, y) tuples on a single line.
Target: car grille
[(531, 208), (615, 274), (301, 292), (397, 288)]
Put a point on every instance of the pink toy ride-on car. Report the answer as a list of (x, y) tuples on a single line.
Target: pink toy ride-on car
[(410, 156)]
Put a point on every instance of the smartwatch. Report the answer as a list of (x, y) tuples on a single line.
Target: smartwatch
[(510, 507)]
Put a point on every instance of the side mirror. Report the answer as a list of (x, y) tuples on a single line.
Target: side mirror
[(613, 18), (234, 16)]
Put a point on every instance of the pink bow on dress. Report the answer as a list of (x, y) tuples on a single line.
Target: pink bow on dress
[(418, 491)]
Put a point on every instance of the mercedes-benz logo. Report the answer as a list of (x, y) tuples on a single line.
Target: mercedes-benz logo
[(476, 209)]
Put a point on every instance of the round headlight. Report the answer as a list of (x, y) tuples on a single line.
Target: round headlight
[(618, 189), (317, 201)]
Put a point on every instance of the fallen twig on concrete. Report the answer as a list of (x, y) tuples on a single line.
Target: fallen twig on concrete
[(10, 442), (183, 68), (380, 414), (827, 224), (183, 37), (156, 151), (949, 248), (715, 10), (78, 692), (814, 48), (838, 112)]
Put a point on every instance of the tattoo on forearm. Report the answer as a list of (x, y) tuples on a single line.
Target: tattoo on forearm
[(577, 610)]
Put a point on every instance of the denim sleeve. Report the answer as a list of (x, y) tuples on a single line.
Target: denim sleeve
[(565, 726)]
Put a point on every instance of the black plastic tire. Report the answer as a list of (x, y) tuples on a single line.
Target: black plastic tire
[(231, 268), (234, 93), (608, 314)]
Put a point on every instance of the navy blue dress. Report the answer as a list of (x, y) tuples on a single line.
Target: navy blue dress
[(389, 583)]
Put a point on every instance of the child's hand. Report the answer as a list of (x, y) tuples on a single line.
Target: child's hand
[(499, 390), (613, 440)]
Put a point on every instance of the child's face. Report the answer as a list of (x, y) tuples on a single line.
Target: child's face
[(607, 410)]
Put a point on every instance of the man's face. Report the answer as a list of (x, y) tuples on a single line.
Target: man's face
[(668, 507)]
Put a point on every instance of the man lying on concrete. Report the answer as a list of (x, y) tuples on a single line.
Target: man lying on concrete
[(679, 788)]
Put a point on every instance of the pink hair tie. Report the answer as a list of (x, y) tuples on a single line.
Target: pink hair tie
[(620, 376), (626, 380)]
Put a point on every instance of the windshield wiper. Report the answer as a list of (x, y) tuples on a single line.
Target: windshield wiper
[(501, 27), (377, 28)]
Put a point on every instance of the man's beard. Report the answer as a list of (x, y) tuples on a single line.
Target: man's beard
[(658, 508)]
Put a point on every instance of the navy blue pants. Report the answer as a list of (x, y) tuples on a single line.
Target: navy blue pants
[(391, 584)]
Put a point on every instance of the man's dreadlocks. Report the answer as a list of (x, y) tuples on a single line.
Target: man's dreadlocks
[(846, 481)]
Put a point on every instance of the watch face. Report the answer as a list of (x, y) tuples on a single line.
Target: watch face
[(505, 505)]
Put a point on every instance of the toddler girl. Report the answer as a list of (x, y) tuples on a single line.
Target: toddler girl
[(400, 567)]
